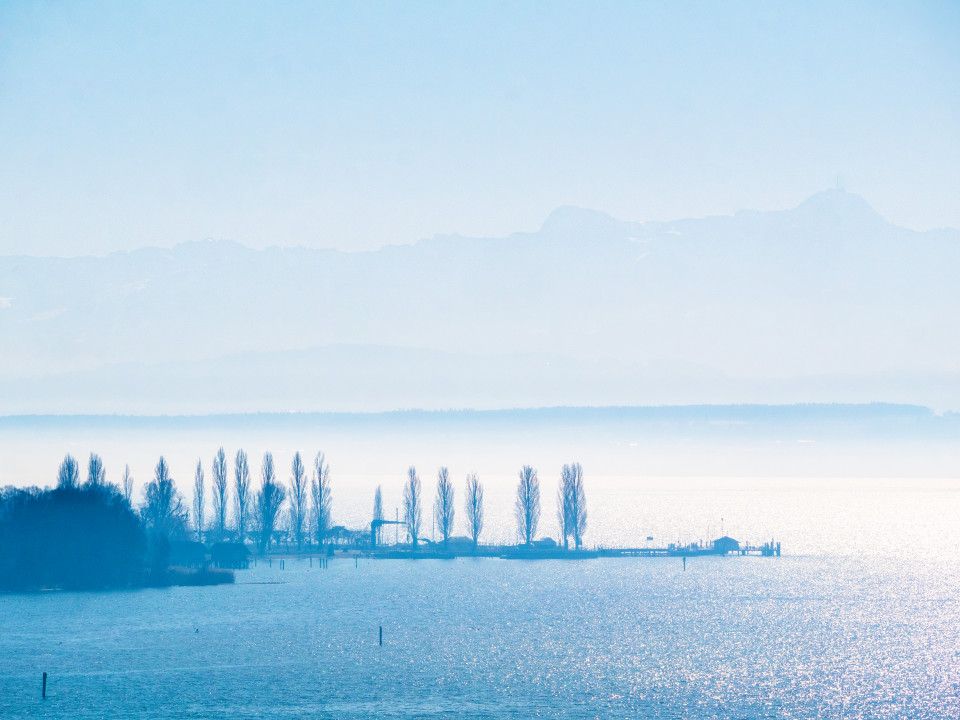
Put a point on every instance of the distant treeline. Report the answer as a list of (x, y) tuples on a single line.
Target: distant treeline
[(858, 417), (91, 534), (299, 512)]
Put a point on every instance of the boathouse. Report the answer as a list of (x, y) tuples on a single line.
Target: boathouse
[(230, 556), (725, 545)]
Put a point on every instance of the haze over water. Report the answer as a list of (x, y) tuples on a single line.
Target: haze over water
[(709, 251), (859, 618)]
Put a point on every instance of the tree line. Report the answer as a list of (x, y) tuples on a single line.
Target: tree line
[(571, 506), (302, 505)]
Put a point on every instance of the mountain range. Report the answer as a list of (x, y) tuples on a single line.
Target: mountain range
[(826, 302)]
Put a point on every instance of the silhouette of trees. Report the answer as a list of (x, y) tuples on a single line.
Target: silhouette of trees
[(528, 504), (443, 510), (163, 514), (241, 490), (269, 502), (411, 505), (96, 474), (474, 508), (572, 505), (321, 497), (126, 485), (298, 498), (577, 502), (199, 501), (378, 510), (564, 516), (70, 537), (69, 473), (220, 494)]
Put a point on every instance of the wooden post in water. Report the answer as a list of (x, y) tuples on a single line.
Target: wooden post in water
[(44, 692), (270, 561), (356, 561), (381, 642), (684, 564)]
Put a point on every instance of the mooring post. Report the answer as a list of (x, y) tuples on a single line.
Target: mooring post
[(356, 561), (45, 675), (381, 642), (684, 564)]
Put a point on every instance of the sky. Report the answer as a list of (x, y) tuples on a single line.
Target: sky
[(354, 125)]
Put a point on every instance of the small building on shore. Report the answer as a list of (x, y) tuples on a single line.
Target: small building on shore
[(230, 556), (725, 545)]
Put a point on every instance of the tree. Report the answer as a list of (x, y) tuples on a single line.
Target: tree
[(528, 504), (321, 497), (298, 498), (269, 502), (198, 499), (96, 474), (474, 508), (411, 505), (127, 484), (378, 510), (69, 473), (578, 504), (71, 537), (564, 506), (443, 510), (163, 514), (241, 499), (220, 493)]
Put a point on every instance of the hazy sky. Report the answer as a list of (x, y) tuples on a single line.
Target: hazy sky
[(353, 125)]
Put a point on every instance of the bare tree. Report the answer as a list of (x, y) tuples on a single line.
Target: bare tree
[(198, 500), (578, 504), (411, 505), (528, 504), (298, 498), (269, 502), (565, 505), (378, 510), (474, 508), (321, 497), (69, 473), (127, 484), (443, 510), (163, 512), (96, 474), (220, 493), (241, 499)]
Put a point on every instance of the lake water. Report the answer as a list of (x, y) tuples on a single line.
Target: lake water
[(860, 618)]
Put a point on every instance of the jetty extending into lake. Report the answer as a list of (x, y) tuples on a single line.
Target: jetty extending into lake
[(548, 550)]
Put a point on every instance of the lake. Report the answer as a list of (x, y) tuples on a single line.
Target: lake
[(860, 618)]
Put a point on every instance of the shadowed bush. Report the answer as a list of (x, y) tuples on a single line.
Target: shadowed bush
[(71, 538), (187, 577)]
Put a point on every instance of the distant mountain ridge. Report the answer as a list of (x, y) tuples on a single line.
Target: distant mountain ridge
[(827, 296)]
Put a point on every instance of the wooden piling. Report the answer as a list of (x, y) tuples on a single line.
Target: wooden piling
[(44, 695), (684, 564), (381, 642)]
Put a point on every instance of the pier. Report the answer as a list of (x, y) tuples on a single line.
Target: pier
[(548, 550)]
